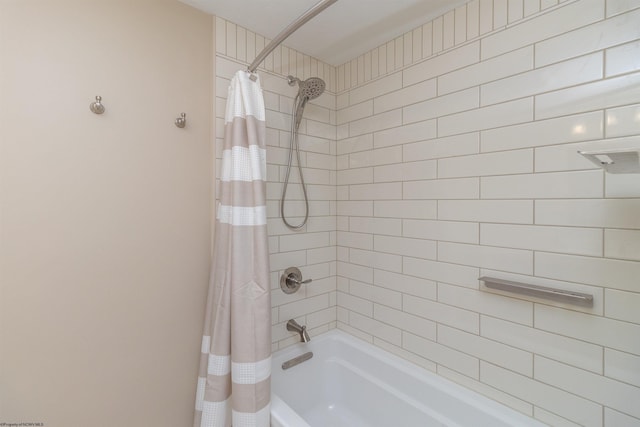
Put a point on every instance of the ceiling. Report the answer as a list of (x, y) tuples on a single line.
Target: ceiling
[(340, 33)]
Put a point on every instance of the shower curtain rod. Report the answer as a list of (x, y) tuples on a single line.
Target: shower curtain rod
[(303, 19)]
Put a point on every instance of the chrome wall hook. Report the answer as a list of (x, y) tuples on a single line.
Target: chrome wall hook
[(181, 121), (96, 107)]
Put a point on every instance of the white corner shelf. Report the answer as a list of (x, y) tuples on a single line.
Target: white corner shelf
[(615, 161)]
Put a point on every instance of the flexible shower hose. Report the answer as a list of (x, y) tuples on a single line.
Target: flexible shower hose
[(299, 104)]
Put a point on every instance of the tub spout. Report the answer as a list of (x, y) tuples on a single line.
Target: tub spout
[(294, 326)]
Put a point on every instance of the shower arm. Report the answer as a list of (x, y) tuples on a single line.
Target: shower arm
[(303, 19)]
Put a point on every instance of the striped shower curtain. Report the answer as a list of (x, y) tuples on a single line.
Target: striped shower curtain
[(234, 382)]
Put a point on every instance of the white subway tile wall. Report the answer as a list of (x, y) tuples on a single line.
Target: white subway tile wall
[(448, 153), (489, 112)]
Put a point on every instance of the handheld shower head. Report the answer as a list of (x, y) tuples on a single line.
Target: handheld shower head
[(308, 89), (311, 88)]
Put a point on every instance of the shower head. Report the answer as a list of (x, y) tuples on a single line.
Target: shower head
[(310, 88)]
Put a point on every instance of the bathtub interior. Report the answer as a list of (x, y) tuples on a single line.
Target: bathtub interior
[(351, 383)]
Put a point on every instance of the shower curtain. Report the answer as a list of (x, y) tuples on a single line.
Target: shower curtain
[(234, 382)]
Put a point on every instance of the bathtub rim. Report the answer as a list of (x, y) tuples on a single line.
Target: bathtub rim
[(470, 397)]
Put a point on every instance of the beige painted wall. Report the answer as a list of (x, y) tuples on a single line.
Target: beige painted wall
[(104, 220)]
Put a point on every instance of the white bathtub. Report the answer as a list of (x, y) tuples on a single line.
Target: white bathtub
[(350, 383)]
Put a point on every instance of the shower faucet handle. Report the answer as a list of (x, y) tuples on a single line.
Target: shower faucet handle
[(291, 280)]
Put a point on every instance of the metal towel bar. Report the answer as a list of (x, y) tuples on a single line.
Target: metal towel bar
[(297, 360), (559, 295)]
